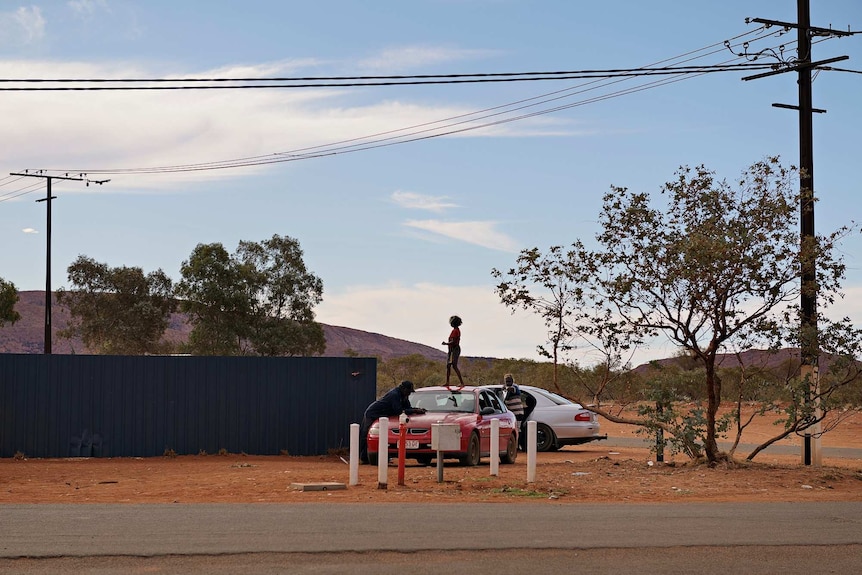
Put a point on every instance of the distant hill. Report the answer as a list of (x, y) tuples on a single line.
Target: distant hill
[(787, 359), (27, 335)]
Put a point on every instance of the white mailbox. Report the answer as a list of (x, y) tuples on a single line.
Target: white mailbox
[(445, 436)]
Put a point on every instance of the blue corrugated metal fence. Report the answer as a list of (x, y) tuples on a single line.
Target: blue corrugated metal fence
[(122, 406)]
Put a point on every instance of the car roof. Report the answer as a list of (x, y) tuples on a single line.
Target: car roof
[(528, 387), (540, 390), (451, 388)]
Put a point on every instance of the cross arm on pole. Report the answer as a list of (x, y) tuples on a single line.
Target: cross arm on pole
[(813, 30)]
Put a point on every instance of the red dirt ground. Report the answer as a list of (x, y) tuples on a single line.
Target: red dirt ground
[(595, 472)]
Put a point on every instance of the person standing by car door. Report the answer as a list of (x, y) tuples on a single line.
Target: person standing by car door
[(514, 402), (395, 402)]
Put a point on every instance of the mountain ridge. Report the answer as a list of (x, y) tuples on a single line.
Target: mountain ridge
[(27, 335)]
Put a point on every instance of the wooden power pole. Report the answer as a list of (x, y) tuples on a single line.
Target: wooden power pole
[(809, 345)]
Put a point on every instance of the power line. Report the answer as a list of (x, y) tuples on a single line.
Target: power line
[(573, 75), (456, 124), (313, 78), (833, 69), (29, 189)]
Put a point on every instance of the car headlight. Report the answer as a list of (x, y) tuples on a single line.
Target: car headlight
[(374, 431)]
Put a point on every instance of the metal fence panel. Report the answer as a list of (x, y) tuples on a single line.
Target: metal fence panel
[(125, 406)]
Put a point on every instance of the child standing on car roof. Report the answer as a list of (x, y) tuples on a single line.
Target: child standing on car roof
[(454, 344)]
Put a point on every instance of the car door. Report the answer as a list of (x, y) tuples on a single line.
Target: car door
[(489, 399)]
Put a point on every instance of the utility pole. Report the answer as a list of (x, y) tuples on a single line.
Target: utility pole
[(48, 197), (809, 344)]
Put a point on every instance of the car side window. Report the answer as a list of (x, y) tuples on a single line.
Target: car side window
[(491, 400), (498, 405), (483, 401)]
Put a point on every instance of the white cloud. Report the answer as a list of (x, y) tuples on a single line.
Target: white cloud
[(476, 232), (419, 313), (412, 200), (132, 129), (848, 306), (30, 231), (24, 25), (86, 8), (394, 60)]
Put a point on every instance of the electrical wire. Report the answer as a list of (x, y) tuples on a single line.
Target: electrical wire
[(315, 78), (575, 75), (833, 69), (467, 122), (28, 189), (362, 143)]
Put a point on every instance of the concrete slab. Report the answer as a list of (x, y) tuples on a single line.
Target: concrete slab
[(325, 486)]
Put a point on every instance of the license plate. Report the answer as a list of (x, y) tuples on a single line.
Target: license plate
[(411, 444)]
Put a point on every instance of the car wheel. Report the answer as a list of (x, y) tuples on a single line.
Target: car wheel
[(372, 459), (545, 438), (424, 460), (474, 451), (511, 451)]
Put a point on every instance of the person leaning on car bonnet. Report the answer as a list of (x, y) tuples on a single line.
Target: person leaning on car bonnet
[(395, 402)]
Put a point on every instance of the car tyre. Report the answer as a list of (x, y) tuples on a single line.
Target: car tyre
[(511, 453), (474, 452), (546, 440), (372, 459), (424, 460)]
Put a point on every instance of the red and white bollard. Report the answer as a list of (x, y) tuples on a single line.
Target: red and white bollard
[(495, 447), (402, 446)]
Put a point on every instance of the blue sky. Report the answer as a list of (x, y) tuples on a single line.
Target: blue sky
[(405, 235)]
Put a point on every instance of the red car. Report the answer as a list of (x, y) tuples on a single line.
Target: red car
[(472, 408)]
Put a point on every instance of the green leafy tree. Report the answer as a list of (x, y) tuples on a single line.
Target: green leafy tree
[(548, 286), (415, 367), (217, 300), (714, 264), (117, 311), (8, 299), (257, 301), (552, 285)]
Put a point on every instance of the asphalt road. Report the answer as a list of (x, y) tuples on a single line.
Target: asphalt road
[(429, 538)]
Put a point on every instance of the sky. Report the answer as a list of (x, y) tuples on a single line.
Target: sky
[(403, 198)]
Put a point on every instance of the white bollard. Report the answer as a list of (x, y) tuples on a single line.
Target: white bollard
[(531, 452), (383, 454), (354, 454), (495, 447)]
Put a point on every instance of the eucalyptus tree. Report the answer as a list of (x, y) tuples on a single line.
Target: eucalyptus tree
[(257, 301), (8, 299), (117, 311)]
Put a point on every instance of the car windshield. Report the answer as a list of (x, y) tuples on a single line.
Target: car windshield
[(444, 401)]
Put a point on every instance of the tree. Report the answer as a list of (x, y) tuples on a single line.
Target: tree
[(257, 301), (553, 286), (215, 297), (714, 264), (557, 300), (117, 311), (8, 299), (415, 367)]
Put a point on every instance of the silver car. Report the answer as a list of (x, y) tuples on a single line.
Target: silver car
[(559, 421)]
